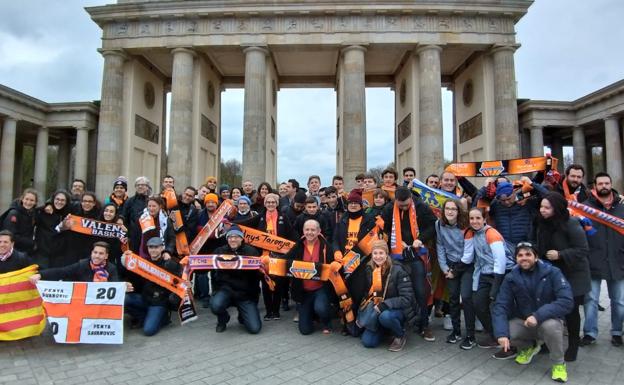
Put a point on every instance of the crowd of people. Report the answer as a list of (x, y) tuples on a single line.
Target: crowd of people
[(508, 254)]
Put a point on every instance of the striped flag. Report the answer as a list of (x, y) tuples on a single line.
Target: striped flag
[(21, 313)]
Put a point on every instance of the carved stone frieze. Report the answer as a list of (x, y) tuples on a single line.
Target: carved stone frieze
[(310, 24)]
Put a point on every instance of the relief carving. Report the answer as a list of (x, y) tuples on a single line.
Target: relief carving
[(242, 24), (292, 24), (192, 26), (169, 27), (122, 29), (217, 24), (316, 23), (267, 24), (145, 29)]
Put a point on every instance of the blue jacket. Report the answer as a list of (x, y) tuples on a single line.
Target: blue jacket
[(543, 293), (515, 222)]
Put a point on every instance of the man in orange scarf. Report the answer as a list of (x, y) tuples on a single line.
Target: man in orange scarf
[(409, 223)]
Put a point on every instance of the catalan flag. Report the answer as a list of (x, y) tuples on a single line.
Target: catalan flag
[(21, 310)]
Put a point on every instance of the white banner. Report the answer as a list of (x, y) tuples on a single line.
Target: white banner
[(84, 312)]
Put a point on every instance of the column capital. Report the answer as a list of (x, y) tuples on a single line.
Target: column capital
[(350, 47), (9, 118), (504, 47), (113, 52), (536, 128), (611, 117), (257, 48), (426, 47), (188, 50), (86, 128)]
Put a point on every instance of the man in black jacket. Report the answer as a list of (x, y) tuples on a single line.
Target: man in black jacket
[(606, 262), (132, 210), (240, 288), (11, 259), (406, 239), (151, 306)]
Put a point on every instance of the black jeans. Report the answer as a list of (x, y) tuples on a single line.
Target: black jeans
[(482, 302), (418, 275), (272, 299), (573, 321), (461, 285)]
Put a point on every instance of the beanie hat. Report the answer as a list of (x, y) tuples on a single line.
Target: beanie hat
[(223, 188), (234, 231), (121, 181), (380, 244), (355, 197), (504, 188), (212, 197), (245, 198)]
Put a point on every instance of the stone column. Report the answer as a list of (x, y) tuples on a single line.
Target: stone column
[(82, 151), (181, 123), (41, 161), (589, 174), (7, 162), (254, 119), (578, 144), (18, 174), (110, 123), (556, 149), (62, 180), (354, 114), (537, 141), (430, 106), (613, 151), (505, 103)]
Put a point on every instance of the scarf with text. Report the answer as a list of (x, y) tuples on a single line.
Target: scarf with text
[(100, 274), (396, 239)]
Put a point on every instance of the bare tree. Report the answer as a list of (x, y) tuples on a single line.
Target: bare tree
[(232, 172)]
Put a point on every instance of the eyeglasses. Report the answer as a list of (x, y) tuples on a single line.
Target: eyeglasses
[(524, 244)]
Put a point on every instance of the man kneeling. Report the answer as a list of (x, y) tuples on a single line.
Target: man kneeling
[(530, 307), (150, 306), (240, 288)]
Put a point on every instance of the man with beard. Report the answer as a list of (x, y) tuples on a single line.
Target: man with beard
[(572, 187), (132, 210), (292, 211), (606, 262), (409, 224), (190, 213)]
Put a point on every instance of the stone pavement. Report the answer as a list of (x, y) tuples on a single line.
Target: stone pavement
[(195, 354)]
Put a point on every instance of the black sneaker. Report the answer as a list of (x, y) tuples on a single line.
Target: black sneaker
[(285, 305), (468, 343), (488, 343), (616, 341), (505, 355), (268, 317), (453, 338), (221, 328), (587, 340), (275, 316)]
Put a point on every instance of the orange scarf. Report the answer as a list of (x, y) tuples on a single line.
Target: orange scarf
[(100, 274), (352, 233), (271, 220), (396, 239), (607, 203), (566, 191)]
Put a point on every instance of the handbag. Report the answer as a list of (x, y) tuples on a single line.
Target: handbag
[(368, 317)]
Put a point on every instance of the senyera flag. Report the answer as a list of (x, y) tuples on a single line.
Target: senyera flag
[(84, 312), (21, 313)]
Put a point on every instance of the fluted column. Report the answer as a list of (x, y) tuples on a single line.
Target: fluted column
[(430, 106), (254, 118), (62, 180), (556, 149), (578, 144), (7, 162), (537, 141), (505, 103), (41, 161), (181, 121), (354, 114), (613, 151), (82, 151), (110, 123)]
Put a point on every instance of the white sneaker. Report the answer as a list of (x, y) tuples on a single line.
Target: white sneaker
[(478, 326), (448, 323)]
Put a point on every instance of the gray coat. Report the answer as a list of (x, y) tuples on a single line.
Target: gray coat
[(606, 247)]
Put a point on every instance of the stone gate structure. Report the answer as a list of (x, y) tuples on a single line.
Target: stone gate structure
[(196, 49)]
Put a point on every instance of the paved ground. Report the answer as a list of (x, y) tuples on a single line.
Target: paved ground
[(195, 354)]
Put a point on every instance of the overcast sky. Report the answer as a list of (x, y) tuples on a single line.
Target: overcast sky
[(569, 48)]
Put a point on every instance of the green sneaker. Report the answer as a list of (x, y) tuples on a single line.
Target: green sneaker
[(526, 355), (559, 373)]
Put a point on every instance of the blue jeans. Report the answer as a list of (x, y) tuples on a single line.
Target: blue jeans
[(314, 302), (616, 295), (248, 314), (153, 317), (389, 320), (418, 275)]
